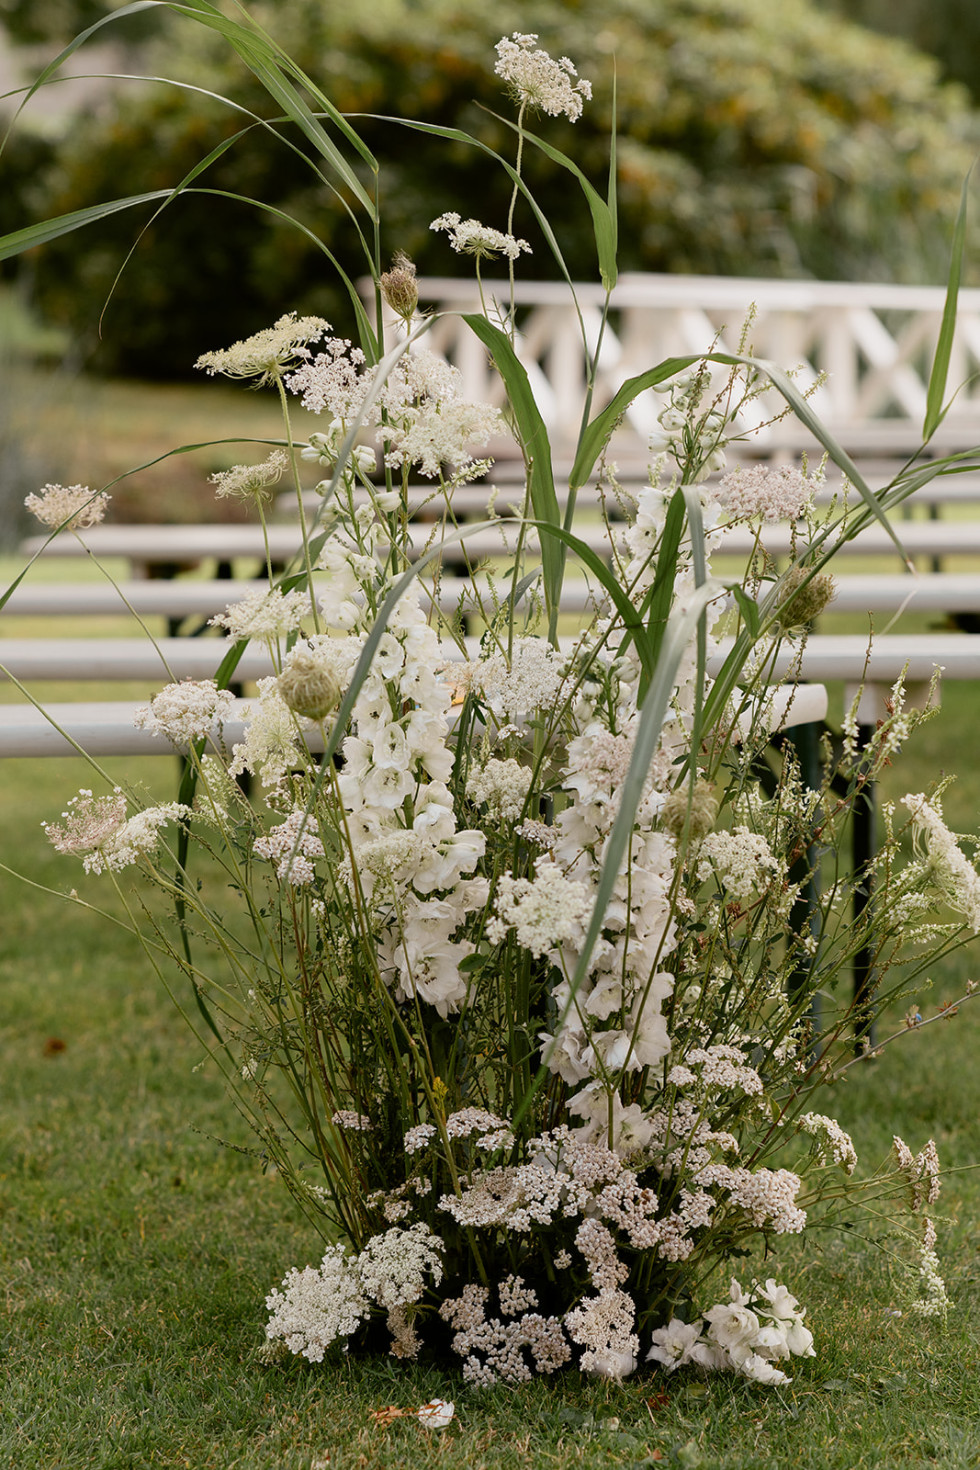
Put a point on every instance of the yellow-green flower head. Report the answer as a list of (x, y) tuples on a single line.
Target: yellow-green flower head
[(800, 601), (696, 810), (309, 686)]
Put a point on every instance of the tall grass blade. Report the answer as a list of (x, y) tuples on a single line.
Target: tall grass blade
[(536, 446), (935, 412)]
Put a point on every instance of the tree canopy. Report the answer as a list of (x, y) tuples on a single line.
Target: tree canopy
[(753, 139)]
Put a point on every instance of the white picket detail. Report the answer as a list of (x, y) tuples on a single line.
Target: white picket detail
[(869, 346)]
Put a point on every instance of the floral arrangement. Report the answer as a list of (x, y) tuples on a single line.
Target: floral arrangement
[(503, 923)]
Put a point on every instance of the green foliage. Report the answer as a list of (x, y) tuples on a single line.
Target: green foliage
[(752, 140), (946, 29), (135, 1249), (44, 21)]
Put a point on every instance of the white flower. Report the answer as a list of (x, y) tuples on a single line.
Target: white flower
[(324, 448), (436, 1414), (832, 1139), (292, 847), (952, 873), (679, 1343), (542, 911), (764, 492), (742, 861), (73, 507), (186, 711), (393, 1267), (537, 81), (251, 481), (266, 354), (97, 830), (265, 615), (334, 381), (469, 237), (316, 1307)]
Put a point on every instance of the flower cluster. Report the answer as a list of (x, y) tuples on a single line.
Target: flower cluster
[(750, 1334), (504, 909), (98, 830), (186, 711), (68, 507), (469, 237), (317, 1306), (538, 81)]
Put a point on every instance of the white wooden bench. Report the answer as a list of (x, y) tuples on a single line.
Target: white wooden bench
[(825, 658), (177, 599), (147, 546)]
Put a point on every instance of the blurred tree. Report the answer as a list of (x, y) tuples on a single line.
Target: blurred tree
[(57, 21), (946, 29), (754, 139)]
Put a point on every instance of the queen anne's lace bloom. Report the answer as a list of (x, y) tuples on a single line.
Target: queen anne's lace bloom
[(469, 237), (265, 615), (316, 1306), (537, 81), (97, 830), (72, 507), (742, 861), (251, 481), (765, 492), (268, 353), (542, 911), (186, 711)]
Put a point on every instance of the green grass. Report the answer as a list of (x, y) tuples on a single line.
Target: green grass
[(135, 1250)]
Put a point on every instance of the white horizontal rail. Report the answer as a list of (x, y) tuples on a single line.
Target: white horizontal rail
[(882, 592), (106, 728)]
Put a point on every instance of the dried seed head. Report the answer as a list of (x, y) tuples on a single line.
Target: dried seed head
[(308, 686), (400, 288), (696, 810), (800, 601)]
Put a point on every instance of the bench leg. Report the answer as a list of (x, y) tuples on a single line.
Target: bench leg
[(864, 847), (805, 913)]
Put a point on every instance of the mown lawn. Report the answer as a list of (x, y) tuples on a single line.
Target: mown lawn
[(136, 1250)]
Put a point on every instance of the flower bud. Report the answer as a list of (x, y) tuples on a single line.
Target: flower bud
[(308, 686), (399, 287)]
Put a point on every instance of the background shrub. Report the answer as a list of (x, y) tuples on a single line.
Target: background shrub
[(754, 139)]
